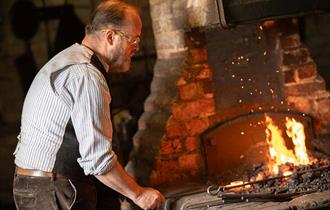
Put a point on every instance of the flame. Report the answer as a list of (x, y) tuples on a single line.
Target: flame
[(260, 176), (279, 153), (277, 149), (295, 131), (287, 173)]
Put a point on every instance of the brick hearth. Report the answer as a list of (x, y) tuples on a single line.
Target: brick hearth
[(182, 103)]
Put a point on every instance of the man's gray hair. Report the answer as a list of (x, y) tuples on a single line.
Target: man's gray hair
[(108, 13)]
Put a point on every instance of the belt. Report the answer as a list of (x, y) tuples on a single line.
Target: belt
[(37, 173)]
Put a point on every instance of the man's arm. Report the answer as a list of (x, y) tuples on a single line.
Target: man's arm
[(91, 117), (119, 180)]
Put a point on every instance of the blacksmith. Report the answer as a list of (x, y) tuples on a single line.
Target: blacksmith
[(66, 130)]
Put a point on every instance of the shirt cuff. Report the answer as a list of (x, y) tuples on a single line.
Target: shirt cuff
[(105, 165)]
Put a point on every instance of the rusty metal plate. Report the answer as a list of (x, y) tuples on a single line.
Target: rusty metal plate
[(246, 70), (233, 12)]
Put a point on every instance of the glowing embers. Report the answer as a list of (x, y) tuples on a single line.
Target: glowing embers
[(279, 153), (287, 153), (237, 183)]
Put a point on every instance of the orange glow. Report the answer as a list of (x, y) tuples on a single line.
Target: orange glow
[(234, 183), (237, 183), (277, 149), (260, 176), (279, 153), (287, 173)]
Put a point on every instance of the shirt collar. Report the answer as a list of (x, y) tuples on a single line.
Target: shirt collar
[(105, 65)]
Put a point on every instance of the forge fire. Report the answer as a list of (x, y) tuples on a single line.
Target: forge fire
[(287, 172), (265, 160)]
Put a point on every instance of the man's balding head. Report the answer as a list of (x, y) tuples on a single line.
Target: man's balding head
[(110, 13)]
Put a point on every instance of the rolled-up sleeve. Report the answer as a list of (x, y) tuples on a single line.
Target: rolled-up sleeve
[(91, 120)]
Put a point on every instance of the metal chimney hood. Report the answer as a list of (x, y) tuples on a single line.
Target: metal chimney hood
[(235, 12)]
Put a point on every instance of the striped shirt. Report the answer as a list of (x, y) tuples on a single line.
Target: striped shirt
[(67, 87)]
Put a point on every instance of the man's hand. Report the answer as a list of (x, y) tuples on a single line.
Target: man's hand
[(149, 198), (117, 179)]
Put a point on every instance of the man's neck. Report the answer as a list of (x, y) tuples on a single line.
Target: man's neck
[(91, 44)]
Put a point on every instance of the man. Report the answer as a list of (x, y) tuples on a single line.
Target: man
[(66, 130)]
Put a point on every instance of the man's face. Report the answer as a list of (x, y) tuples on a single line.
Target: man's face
[(125, 43)]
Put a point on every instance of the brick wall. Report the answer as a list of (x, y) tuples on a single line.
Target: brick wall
[(169, 20), (316, 35), (194, 110), (305, 88), (180, 155)]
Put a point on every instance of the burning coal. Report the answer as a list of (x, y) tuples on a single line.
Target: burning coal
[(288, 169)]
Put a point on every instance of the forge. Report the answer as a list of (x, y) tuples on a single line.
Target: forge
[(246, 91), (259, 161)]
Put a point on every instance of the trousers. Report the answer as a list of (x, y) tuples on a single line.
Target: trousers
[(46, 193)]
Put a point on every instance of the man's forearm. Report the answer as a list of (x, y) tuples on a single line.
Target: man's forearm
[(120, 181)]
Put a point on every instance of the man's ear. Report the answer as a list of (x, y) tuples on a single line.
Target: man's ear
[(109, 35)]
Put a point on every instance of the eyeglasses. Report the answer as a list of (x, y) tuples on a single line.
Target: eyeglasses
[(130, 39)]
